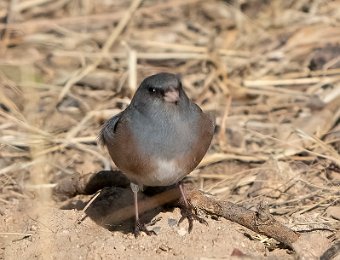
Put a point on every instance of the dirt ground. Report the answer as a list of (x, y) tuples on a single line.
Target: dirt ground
[(268, 71), (57, 235), (38, 229)]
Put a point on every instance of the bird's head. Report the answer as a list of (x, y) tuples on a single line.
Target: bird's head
[(160, 90)]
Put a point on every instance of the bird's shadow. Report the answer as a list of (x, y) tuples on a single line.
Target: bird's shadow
[(113, 207)]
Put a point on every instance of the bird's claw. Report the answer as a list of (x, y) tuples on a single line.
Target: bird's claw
[(139, 227), (191, 217)]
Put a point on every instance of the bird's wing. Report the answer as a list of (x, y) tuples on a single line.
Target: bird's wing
[(107, 132)]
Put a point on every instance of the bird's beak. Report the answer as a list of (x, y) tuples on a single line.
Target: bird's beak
[(171, 95)]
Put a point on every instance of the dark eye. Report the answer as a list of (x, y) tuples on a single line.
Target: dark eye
[(152, 90)]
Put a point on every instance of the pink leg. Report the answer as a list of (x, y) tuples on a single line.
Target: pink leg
[(187, 211)]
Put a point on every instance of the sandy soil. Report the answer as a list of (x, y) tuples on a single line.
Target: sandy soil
[(57, 235), (36, 226)]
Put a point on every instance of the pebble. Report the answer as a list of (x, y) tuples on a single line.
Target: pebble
[(172, 222), (182, 232), (334, 212)]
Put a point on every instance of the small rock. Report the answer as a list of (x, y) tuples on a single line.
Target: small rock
[(157, 230), (34, 228), (310, 246), (333, 212), (164, 248), (238, 253), (172, 222), (182, 232)]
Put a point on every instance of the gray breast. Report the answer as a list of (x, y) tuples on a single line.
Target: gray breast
[(165, 135)]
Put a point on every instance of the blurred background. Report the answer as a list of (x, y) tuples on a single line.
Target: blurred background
[(269, 71)]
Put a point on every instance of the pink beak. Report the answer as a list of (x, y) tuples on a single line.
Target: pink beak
[(171, 95)]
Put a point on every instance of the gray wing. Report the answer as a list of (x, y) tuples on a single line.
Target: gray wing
[(107, 132)]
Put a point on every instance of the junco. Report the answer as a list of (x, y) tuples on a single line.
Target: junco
[(159, 138)]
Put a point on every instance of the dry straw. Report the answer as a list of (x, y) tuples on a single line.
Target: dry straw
[(268, 72)]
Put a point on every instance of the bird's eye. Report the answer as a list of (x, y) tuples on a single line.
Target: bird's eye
[(152, 90)]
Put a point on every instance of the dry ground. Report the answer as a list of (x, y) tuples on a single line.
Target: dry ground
[(269, 71)]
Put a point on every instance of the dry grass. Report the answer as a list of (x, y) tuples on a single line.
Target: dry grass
[(269, 72)]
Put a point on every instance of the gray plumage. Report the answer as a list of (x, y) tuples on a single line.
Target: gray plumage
[(154, 142)]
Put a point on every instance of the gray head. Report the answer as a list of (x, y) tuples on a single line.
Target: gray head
[(160, 91)]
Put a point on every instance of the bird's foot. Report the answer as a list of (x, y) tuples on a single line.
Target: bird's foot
[(190, 214), (141, 227)]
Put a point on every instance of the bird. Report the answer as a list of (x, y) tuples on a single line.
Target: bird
[(159, 138)]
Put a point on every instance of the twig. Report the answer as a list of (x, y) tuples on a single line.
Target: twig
[(261, 221)]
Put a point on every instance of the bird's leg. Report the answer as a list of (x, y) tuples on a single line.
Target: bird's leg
[(138, 226), (189, 212), (135, 189)]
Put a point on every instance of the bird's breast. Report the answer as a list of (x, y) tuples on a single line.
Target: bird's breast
[(160, 151), (165, 173)]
